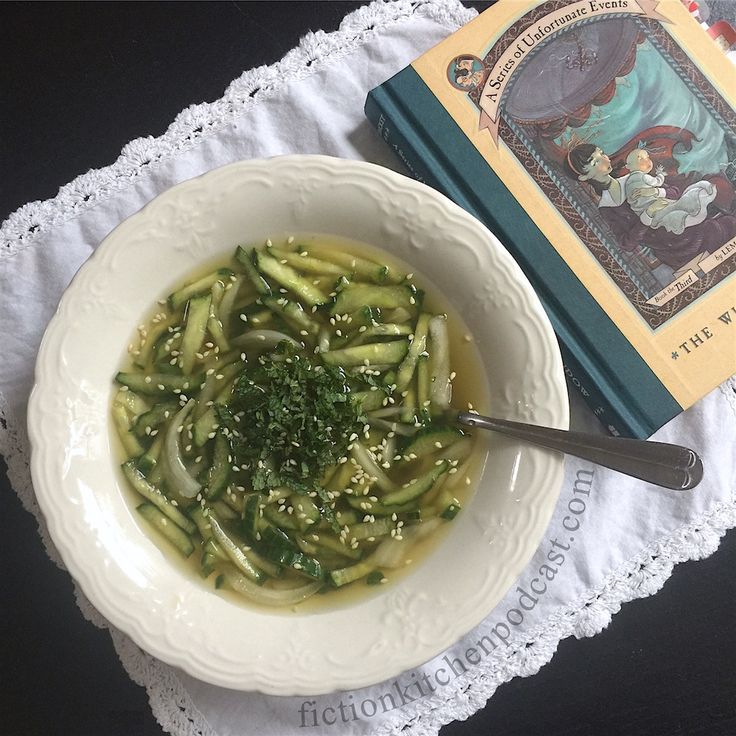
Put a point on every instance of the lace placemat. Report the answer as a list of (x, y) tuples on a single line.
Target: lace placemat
[(610, 540)]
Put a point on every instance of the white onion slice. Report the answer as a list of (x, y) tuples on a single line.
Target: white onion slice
[(184, 483), (268, 596), (392, 552)]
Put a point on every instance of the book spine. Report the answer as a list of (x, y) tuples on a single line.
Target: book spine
[(402, 130), (387, 118), (578, 380)]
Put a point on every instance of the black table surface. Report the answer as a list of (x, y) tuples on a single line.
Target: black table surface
[(80, 80)]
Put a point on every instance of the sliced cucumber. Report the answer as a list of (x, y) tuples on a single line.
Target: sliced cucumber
[(292, 313), (204, 427), (306, 511), (376, 272), (215, 323), (308, 264), (207, 564), (213, 385), (172, 532), (154, 333), (252, 515), (364, 505), (439, 353), (281, 550), (416, 487), (245, 259), (180, 297), (369, 400), (355, 296), (156, 384), (155, 496), (367, 529), (289, 279), (417, 346), (365, 316), (154, 417), (148, 461), (431, 440), (350, 574), (198, 315), (234, 552), (423, 387), (219, 472), (281, 519), (377, 352), (382, 330), (329, 541), (120, 417), (135, 405)]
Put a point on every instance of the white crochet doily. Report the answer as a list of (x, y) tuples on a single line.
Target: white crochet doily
[(641, 576)]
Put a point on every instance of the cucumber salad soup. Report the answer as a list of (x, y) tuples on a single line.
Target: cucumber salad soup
[(286, 420)]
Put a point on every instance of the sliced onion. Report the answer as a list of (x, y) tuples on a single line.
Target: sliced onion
[(364, 457), (392, 552), (265, 339), (183, 482), (268, 596)]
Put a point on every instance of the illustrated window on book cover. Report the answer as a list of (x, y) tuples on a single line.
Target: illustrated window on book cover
[(631, 144)]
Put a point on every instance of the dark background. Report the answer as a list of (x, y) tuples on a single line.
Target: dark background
[(77, 82)]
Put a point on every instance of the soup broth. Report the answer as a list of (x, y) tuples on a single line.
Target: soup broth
[(285, 418)]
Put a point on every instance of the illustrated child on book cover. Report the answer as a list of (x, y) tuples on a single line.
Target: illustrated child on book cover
[(648, 199), (627, 140)]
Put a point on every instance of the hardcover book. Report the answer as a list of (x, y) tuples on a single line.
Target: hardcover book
[(597, 140)]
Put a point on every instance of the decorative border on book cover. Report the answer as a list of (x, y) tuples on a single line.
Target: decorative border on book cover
[(677, 238)]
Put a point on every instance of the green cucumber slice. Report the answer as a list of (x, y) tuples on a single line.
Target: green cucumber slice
[(172, 532)]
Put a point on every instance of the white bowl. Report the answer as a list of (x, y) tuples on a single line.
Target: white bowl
[(173, 615)]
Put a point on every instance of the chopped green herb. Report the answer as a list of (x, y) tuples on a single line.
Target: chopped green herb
[(290, 419)]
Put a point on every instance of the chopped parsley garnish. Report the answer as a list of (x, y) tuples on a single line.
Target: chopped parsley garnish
[(289, 420)]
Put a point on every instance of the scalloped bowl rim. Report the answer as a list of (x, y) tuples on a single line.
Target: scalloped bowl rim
[(125, 575)]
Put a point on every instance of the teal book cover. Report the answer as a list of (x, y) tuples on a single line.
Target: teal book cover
[(597, 141)]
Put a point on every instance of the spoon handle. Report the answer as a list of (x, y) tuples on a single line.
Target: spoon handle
[(671, 466)]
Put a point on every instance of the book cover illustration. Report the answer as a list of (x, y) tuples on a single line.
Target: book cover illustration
[(630, 142), (597, 139)]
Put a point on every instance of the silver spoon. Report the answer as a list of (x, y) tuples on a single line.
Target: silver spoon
[(670, 466)]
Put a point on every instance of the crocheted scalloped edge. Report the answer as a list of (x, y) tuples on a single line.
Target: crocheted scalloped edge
[(198, 122), (641, 576)]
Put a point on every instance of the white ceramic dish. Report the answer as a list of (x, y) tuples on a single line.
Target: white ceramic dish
[(122, 571)]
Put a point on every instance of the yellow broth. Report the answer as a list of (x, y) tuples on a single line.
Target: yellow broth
[(469, 389)]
